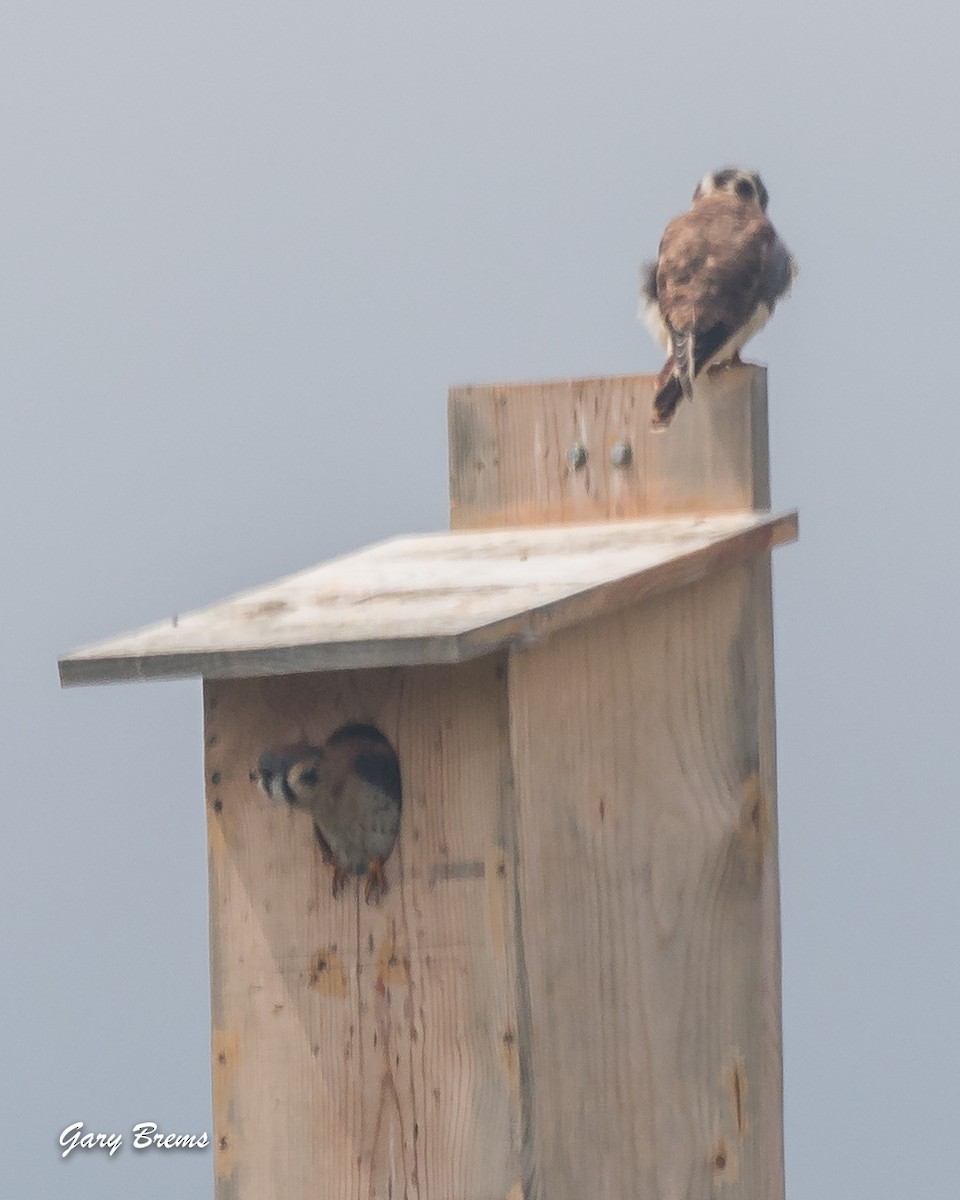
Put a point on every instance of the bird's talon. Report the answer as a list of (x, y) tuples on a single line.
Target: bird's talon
[(339, 881), (736, 361), (376, 886)]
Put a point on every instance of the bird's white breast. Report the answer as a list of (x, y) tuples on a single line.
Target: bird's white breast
[(649, 312)]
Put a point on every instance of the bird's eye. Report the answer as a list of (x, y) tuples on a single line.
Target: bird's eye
[(309, 776), (744, 189)]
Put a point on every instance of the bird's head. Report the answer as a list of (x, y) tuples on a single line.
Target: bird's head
[(293, 775), (747, 185)]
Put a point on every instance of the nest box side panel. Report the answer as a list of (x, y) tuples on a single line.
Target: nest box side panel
[(583, 450), (643, 747), (364, 1050)]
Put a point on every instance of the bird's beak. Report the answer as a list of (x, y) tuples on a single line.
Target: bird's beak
[(272, 785), (269, 773)]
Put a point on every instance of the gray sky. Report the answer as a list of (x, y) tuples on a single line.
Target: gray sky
[(245, 249)]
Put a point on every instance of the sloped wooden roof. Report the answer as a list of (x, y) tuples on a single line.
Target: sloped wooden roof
[(438, 598)]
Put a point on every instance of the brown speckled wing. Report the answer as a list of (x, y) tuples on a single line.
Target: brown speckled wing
[(711, 270)]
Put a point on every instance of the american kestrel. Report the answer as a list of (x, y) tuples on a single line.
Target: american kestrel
[(720, 271), (351, 788)]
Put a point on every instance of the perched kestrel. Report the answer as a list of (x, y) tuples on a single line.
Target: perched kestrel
[(351, 788), (719, 274)]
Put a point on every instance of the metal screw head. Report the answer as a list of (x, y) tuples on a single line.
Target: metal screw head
[(621, 454), (577, 456)]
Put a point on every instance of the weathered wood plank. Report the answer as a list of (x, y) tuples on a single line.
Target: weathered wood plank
[(363, 1051), (509, 447), (768, 1142), (436, 599), (645, 781)]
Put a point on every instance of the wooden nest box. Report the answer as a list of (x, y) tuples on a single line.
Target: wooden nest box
[(570, 990)]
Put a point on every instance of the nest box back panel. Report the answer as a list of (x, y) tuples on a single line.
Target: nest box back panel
[(583, 450), (365, 1049)]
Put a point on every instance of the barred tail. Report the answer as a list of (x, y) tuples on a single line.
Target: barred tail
[(669, 395), (684, 345)]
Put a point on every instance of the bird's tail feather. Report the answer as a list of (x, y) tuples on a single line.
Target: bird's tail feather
[(683, 356), (669, 395)]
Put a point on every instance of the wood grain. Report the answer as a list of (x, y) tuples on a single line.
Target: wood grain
[(363, 1051), (438, 598), (645, 780), (509, 449)]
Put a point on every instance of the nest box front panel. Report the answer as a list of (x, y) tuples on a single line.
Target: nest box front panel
[(364, 1047)]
